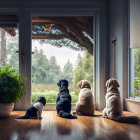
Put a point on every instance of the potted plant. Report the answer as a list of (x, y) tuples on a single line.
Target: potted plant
[(12, 89)]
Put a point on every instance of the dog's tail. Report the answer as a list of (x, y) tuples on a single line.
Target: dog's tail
[(26, 116), (128, 119), (66, 115)]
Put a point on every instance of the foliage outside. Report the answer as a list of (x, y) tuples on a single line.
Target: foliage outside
[(46, 73), (11, 86), (84, 69), (136, 72)]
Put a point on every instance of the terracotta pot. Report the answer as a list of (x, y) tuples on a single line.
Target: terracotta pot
[(6, 109)]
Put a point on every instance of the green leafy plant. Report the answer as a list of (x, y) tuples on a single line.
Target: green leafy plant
[(137, 87), (12, 88)]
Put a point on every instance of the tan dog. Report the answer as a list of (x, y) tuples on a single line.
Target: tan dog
[(85, 105), (113, 108)]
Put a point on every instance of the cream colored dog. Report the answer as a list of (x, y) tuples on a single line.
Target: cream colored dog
[(113, 109), (85, 105)]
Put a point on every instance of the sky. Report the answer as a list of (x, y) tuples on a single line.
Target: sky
[(62, 54)]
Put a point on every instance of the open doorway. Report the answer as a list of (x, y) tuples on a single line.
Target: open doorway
[(63, 49)]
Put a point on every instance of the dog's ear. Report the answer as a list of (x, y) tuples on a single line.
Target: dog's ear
[(89, 85), (117, 84), (64, 83), (79, 84), (85, 84), (114, 82), (42, 100), (107, 83), (59, 84)]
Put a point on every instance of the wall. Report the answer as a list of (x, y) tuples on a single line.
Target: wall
[(52, 3), (119, 29)]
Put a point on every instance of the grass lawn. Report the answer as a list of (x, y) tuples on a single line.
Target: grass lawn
[(50, 92)]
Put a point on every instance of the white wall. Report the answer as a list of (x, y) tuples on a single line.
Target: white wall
[(119, 29)]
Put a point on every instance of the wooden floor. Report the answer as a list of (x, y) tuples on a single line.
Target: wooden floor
[(52, 127)]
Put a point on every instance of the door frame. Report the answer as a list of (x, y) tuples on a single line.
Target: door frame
[(61, 13)]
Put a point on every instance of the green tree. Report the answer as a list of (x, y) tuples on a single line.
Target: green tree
[(55, 73), (84, 69), (12, 56), (67, 71), (39, 67), (44, 70)]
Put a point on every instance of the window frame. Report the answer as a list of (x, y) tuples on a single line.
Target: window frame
[(132, 74)]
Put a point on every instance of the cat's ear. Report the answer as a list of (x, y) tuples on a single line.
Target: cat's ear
[(59, 83), (79, 84)]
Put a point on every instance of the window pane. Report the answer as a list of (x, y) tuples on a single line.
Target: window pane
[(135, 72), (9, 46)]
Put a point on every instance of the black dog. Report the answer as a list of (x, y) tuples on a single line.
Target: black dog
[(35, 111), (63, 101)]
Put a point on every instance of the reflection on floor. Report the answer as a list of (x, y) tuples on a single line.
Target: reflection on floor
[(52, 127)]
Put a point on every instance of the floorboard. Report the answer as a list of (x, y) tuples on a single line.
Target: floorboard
[(52, 127)]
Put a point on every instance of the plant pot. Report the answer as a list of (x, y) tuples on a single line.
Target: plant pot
[(6, 109)]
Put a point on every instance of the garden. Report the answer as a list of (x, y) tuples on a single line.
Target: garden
[(50, 92)]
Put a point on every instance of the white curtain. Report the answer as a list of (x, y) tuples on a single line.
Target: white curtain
[(134, 23)]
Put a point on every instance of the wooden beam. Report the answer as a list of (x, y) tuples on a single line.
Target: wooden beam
[(44, 36), (41, 20), (10, 31)]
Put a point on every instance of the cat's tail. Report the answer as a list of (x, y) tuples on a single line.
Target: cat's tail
[(66, 115), (128, 119)]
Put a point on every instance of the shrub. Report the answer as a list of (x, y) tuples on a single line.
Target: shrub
[(12, 88), (50, 96)]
